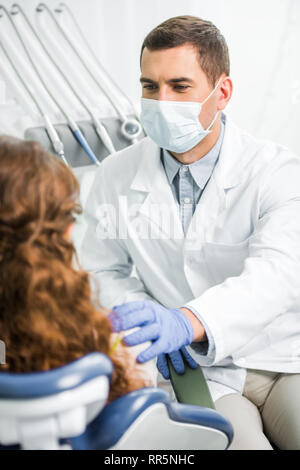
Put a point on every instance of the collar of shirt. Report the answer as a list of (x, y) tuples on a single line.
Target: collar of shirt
[(200, 170)]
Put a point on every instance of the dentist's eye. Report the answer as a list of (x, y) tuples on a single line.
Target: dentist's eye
[(181, 87), (149, 87)]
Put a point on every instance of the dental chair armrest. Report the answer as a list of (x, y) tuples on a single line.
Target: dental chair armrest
[(200, 415), (115, 419), (109, 426)]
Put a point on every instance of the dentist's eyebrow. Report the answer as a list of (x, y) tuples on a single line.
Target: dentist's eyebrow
[(172, 80), (180, 79), (147, 80)]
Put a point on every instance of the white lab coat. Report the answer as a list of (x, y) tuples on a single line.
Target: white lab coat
[(239, 264)]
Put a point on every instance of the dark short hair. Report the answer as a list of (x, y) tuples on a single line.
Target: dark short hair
[(202, 34)]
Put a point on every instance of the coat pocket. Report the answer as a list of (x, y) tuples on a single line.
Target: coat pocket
[(224, 260)]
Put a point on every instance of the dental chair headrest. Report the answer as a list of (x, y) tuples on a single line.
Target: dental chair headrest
[(60, 379), (40, 410)]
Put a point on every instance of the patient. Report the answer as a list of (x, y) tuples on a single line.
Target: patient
[(47, 316)]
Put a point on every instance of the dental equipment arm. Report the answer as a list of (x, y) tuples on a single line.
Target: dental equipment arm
[(56, 142), (131, 128), (71, 123), (100, 129), (63, 7)]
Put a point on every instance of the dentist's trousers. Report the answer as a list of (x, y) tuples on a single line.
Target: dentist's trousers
[(266, 414)]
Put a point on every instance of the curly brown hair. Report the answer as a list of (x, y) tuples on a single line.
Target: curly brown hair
[(47, 315)]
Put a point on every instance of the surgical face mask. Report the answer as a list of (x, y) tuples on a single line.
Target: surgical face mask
[(175, 125)]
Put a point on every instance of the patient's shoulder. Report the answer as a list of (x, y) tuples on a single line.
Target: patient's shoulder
[(127, 355)]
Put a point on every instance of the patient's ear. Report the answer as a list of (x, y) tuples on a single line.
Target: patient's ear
[(69, 230)]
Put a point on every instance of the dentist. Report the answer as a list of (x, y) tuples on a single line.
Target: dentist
[(209, 218)]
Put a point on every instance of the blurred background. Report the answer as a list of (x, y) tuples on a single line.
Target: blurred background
[(264, 43)]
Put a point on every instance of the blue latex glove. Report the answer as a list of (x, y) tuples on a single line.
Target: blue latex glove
[(168, 330), (176, 358)]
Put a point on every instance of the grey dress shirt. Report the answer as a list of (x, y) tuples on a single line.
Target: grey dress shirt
[(188, 181)]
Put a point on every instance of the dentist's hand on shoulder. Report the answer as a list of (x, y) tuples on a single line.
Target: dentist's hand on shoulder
[(168, 329)]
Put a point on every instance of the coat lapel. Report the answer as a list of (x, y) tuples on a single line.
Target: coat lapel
[(159, 205), (227, 174)]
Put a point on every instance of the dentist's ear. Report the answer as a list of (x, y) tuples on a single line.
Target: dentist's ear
[(225, 93)]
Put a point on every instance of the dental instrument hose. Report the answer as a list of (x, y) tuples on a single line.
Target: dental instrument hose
[(61, 7), (130, 128), (100, 129), (57, 144), (74, 127)]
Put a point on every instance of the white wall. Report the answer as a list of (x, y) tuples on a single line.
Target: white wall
[(263, 37)]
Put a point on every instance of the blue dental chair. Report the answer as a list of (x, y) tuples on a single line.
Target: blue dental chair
[(65, 408)]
